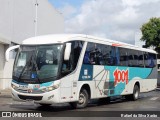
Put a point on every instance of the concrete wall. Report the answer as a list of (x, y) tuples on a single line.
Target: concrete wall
[(3, 48), (7, 74), (17, 22), (1, 62), (17, 19)]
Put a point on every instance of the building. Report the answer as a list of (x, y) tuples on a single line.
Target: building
[(21, 19)]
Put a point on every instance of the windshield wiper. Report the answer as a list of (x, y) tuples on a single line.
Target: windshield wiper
[(45, 79), (31, 60), (24, 68)]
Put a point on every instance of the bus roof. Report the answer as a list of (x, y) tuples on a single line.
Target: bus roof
[(61, 38)]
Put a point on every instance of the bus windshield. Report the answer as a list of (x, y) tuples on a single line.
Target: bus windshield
[(37, 63)]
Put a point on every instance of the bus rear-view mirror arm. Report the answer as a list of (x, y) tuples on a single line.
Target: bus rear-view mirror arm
[(10, 49), (67, 51)]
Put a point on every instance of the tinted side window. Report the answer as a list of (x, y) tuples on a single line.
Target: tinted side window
[(93, 54), (99, 54), (77, 48), (90, 54), (146, 59), (130, 58), (151, 60), (123, 57), (70, 65), (135, 58), (140, 59), (117, 56), (107, 55)]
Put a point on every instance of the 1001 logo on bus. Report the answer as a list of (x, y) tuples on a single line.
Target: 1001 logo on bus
[(120, 76)]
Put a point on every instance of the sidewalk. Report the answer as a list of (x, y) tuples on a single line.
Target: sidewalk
[(5, 93)]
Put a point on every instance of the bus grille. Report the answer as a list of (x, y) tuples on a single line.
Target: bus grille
[(37, 98)]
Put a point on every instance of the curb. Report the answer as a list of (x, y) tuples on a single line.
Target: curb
[(5, 93), (5, 96)]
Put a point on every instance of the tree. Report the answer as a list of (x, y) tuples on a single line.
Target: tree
[(151, 33)]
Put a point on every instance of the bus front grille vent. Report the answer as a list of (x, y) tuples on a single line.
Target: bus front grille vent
[(37, 98)]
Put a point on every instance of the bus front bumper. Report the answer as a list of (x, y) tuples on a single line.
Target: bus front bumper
[(46, 98)]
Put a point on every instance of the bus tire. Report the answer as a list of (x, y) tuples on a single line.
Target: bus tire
[(136, 92), (83, 100), (43, 104), (103, 101), (135, 95)]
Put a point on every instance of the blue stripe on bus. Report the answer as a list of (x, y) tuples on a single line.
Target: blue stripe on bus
[(133, 73), (143, 73)]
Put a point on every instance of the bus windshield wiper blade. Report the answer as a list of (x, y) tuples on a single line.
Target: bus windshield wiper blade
[(44, 79), (24, 69)]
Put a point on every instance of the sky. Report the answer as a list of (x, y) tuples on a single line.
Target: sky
[(119, 20)]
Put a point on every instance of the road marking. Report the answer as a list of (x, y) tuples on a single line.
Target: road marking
[(154, 98)]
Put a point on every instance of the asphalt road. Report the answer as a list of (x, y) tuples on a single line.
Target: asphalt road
[(146, 102)]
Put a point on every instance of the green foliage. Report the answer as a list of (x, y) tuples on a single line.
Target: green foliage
[(151, 33)]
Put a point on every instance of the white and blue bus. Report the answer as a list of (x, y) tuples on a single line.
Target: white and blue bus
[(76, 68)]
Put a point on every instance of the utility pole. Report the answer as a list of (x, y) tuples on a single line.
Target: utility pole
[(36, 17)]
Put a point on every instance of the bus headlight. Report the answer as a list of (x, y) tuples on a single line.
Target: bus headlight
[(50, 88), (13, 86)]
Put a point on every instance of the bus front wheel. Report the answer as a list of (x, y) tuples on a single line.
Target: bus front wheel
[(103, 101), (83, 100)]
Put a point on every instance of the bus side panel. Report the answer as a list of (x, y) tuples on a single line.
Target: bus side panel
[(97, 78), (100, 78), (150, 83), (91, 85), (65, 88), (146, 77), (124, 79), (146, 85), (108, 81)]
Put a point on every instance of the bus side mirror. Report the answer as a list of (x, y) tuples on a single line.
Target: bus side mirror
[(8, 50), (67, 51)]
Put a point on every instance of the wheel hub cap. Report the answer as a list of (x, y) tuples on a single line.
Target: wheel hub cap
[(81, 99)]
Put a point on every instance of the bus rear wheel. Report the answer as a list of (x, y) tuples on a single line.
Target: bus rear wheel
[(103, 101), (83, 100), (43, 104), (136, 91), (135, 95)]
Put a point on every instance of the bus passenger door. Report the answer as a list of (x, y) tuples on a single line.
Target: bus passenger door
[(66, 81), (68, 73), (78, 49)]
